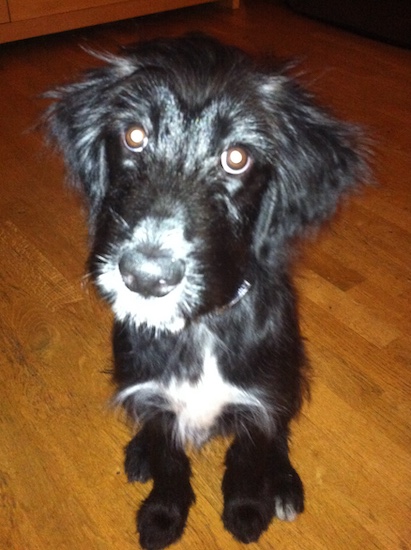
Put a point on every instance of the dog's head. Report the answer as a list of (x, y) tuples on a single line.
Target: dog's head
[(198, 169)]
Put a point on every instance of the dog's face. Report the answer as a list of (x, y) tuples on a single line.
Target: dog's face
[(175, 227), (197, 169)]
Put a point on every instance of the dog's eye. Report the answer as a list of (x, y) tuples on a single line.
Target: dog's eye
[(235, 160), (135, 138)]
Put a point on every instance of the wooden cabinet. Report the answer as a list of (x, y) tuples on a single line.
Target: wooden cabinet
[(24, 9), (4, 12), (27, 18)]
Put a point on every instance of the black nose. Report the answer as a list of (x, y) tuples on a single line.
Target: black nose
[(151, 271)]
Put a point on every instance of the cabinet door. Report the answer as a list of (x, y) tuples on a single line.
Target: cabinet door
[(26, 9), (4, 12)]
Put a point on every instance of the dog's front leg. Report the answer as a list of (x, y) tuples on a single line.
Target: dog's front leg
[(163, 515), (259, 483)]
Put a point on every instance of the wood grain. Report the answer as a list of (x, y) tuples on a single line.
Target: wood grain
[(61, 480), (4, 12), (22, 19)]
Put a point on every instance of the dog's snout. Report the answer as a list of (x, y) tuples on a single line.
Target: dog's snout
[(151, 272)]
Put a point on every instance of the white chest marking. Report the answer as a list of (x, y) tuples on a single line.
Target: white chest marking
[(197, 406)]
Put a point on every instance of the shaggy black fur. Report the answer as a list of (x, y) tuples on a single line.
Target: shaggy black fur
[(193, 253)]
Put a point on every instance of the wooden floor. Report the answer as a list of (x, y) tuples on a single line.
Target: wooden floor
[(61, 479)]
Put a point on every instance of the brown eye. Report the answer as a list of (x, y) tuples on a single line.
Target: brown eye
[(235, 160), (136, 138)]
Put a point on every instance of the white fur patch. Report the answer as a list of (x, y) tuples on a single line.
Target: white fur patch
[(284, 511), (164, 313), (197, 406), (159, 313)]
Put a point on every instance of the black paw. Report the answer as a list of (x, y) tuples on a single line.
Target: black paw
[(136, 463), (247, 518), (288, 496), (161, 521)]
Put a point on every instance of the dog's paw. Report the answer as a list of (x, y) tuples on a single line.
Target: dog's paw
[(136, 463), (289, 496), (161, 521), (247, 518)]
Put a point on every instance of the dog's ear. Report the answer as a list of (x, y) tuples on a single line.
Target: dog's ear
[(316, 160), (76, 122)]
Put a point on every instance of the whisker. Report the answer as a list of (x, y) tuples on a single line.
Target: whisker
[(118, 218)]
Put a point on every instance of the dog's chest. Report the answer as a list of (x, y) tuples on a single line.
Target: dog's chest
[(198, 405)]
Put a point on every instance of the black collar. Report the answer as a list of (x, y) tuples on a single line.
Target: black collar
[(241, 292)]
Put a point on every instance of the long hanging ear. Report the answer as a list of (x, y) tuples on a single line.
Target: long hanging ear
[(76, 122), (315, 159)]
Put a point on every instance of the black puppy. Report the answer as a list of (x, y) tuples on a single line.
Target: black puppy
[(200, 169)]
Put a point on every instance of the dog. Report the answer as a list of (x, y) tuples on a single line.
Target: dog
[(201, 169)]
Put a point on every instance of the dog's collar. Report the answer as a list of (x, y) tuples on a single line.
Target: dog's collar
[(241, 292)]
